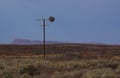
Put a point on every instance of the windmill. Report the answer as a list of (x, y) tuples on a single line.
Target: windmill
[(51, 19)]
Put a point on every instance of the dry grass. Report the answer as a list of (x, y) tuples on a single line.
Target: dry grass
[(94, 61)]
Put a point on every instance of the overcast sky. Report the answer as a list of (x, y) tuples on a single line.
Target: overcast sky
[(85, 21)]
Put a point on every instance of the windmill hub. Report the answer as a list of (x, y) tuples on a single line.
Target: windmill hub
[(51, 19)]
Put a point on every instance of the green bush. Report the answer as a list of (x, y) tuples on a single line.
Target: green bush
[(30, 70), (112, 65)]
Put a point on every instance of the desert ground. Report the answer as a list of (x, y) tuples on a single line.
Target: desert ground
[(61, 61)]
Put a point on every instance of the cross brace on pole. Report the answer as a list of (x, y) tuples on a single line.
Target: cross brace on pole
[(51, 19)]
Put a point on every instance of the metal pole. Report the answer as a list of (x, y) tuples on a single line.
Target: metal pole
[(44, 36), (51, 19)]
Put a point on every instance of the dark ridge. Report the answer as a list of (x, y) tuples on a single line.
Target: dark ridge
[(32, 42)]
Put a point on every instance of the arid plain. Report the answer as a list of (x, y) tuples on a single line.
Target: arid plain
[(61, 61)]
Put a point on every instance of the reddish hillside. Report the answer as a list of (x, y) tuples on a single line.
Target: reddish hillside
[(69, 50)]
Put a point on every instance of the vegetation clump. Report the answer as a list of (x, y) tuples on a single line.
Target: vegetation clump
[(30, 70)]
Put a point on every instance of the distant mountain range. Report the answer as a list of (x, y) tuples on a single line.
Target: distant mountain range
[(32, 42)]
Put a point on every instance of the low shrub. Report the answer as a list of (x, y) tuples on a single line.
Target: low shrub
[(7, 75), (25, 76), (1, 67), (30, 70), (100, 73)]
